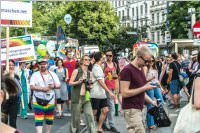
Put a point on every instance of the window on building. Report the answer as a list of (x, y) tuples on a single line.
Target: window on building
[(163, 16), (146, 8), (128, 24), (119, 3), (158, 18), (128, 13), (133, 24), (158, 2), (137, 12), (141, 9), (119, 13), (123, 17), (141, 23), (153, 17), (123, 3), (133, 12), (152, 36), (158, 37), (115, 3), (152, 3)]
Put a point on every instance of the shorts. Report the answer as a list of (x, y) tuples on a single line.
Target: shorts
[(42, 113), (98, 103), (175, 87)]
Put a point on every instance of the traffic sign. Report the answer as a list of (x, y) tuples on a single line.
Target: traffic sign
[(167, 37), (196, 29), (68, 18)]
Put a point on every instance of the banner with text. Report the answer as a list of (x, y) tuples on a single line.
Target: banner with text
[(21, 49), (16, 14)]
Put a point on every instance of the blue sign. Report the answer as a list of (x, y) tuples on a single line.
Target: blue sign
[(68, 18)]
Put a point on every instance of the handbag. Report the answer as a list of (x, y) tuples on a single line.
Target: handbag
[(189, 118), (160, 116), (43, 102)]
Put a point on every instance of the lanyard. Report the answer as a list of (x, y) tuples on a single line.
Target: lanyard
[(45, 80)]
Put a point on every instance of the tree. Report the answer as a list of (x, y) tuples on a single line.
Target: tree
[(177, 13)]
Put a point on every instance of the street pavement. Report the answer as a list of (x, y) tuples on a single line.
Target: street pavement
[(62, 125)]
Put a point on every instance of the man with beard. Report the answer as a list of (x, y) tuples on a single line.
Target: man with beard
[(133, 85), (42, 83)]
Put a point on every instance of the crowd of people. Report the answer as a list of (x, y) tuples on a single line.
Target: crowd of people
[(95, 88)]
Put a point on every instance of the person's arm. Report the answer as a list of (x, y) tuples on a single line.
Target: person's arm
[(169, 76), (72, 81), (149, 100), (67, 75), (197, 93), (126, 92), (100, 81), (34, 87)]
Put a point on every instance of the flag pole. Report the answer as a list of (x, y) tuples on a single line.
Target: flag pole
[(7, 48)]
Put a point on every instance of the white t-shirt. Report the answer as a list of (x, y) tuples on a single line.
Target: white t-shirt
[(97, 91), (37, 80)]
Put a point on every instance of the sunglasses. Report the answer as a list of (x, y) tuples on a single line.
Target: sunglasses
[(108, 55), (86, 59), (145, 61)]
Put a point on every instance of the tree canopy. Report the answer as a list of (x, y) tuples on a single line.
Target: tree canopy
[(177, 13), (92, 22)]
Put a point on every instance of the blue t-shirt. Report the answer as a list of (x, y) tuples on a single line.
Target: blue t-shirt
[(50, 63)]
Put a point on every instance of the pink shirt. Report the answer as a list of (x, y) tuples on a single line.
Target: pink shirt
[(110, 83)]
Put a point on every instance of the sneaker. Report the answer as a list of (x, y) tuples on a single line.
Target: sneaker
[(104, 126), (114, 130)]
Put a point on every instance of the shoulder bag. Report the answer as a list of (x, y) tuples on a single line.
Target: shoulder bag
[(189, 118)]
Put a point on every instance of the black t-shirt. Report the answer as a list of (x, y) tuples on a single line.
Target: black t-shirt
[(176, 69)]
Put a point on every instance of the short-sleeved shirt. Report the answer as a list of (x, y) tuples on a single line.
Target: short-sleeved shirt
[(185, 63), (70, 65), (97, 91), (37, 80), (137, 79), (176, 69)]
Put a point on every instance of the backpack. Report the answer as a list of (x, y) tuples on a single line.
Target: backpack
[(115, 65), (183, 77)]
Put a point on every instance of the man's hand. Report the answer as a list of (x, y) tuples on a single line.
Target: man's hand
[(154, 103), (112, 95), (148, 86)]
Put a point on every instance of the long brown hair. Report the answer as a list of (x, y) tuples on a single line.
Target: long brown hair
[(154, 64)]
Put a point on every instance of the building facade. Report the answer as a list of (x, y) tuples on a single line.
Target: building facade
[(143, 14)]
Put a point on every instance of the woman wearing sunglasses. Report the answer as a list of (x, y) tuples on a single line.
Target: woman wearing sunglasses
[(152, 74)]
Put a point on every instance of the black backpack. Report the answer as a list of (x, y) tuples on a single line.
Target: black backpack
[(160, 117)]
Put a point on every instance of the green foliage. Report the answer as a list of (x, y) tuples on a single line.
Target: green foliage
[(92, 22), (178, 12)]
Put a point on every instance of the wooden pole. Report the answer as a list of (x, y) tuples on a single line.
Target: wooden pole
[(7, 48)]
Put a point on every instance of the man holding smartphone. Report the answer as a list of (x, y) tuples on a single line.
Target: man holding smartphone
[(133, 85)]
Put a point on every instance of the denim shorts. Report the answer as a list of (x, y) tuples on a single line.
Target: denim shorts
[(175, 87)]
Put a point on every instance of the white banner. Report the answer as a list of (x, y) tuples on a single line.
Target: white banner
[(16, 14), (21, 49)]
